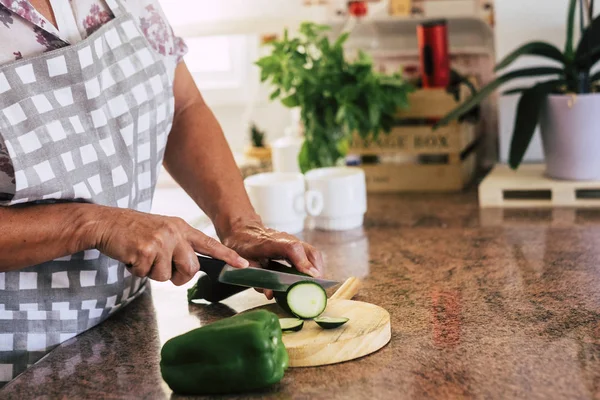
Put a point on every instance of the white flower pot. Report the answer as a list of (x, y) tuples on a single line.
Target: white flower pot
[(285, 154), (570, 127)]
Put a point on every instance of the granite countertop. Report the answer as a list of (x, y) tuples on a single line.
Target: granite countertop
[(483, 305)]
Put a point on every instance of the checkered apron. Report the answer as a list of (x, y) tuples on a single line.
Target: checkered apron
[(88, 122)]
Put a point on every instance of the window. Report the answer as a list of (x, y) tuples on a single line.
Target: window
[(222, 67)]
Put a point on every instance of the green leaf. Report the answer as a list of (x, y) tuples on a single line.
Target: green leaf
[(275, 94), (570, 29), (325, 157), (304, 158), (341, 40), (528, 113), (541, 49), (290, 101), (264, 75), (588, 60), (559, 82), (491, 87), (263, 62), (343, 146), (589, 39), (374, 113), (457, 78), (595, 77), (392, 81), (340, 115), (587, 52), (515, 91)]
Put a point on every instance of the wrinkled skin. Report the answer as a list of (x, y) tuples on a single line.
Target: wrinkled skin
[(258, 244)]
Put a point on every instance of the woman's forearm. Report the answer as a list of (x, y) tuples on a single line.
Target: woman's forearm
[(33, 234), (162, 248), (198, 157)]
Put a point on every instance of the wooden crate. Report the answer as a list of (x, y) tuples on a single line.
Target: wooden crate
[(451, 139), (401, 8), (528, 187), (453, 146), (432, 103)]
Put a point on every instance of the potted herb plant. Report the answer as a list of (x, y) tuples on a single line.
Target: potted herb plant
[(337, 97), (258, 148), (566, 105)]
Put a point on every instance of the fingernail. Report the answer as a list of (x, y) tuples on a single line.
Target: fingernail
[(243, 262), (314, 272)]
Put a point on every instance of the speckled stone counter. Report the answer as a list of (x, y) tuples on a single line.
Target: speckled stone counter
[(484, 305)]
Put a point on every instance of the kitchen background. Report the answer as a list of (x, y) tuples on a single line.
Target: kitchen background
[(224, 39)]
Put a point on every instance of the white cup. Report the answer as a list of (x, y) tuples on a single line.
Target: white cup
[(344, 192), (282, 201)]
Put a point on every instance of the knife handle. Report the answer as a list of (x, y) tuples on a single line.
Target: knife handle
[(208, 286), (214, 291)]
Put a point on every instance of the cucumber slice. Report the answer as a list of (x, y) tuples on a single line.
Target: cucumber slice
[(291, 324), (306, 299), (330, 322)]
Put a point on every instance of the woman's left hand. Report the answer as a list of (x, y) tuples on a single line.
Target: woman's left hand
[(258, 244)]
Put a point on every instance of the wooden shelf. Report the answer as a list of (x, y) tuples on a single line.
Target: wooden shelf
[(259, 26)]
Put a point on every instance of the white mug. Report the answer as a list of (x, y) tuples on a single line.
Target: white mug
[(344, 192), (282, 201)]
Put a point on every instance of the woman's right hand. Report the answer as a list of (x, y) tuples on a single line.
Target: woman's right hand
[(159, 247)]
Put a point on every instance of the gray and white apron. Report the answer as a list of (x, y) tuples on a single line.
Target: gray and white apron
[(88, 122)]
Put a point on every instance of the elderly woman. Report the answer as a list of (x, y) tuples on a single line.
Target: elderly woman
[(94, 99)]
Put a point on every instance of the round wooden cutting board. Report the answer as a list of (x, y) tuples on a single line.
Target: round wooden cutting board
[(367, 331)]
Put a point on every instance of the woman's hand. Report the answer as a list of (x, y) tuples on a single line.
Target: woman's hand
[(162, 248), (258, 244)]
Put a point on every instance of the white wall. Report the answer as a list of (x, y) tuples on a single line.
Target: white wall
[(518, 22), (185, 12), (272, 118)]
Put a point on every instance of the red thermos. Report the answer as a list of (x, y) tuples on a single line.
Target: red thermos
[(434, 53)]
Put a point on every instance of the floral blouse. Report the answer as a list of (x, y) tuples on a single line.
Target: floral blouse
[(24, 32)]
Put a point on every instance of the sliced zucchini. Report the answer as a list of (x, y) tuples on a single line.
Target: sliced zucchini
[(280, 299), (330, 322), (306, 299), (291, 324)]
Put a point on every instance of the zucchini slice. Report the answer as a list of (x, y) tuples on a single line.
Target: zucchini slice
[(331, 322), (306, 299), (291, 324), (280, 299)]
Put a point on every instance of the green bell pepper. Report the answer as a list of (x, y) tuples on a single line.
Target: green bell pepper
[(240, 353)]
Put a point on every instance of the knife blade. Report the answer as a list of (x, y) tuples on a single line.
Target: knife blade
[(266, 279), (260, 278)]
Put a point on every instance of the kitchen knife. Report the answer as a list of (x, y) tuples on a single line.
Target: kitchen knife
[(225, 280)]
